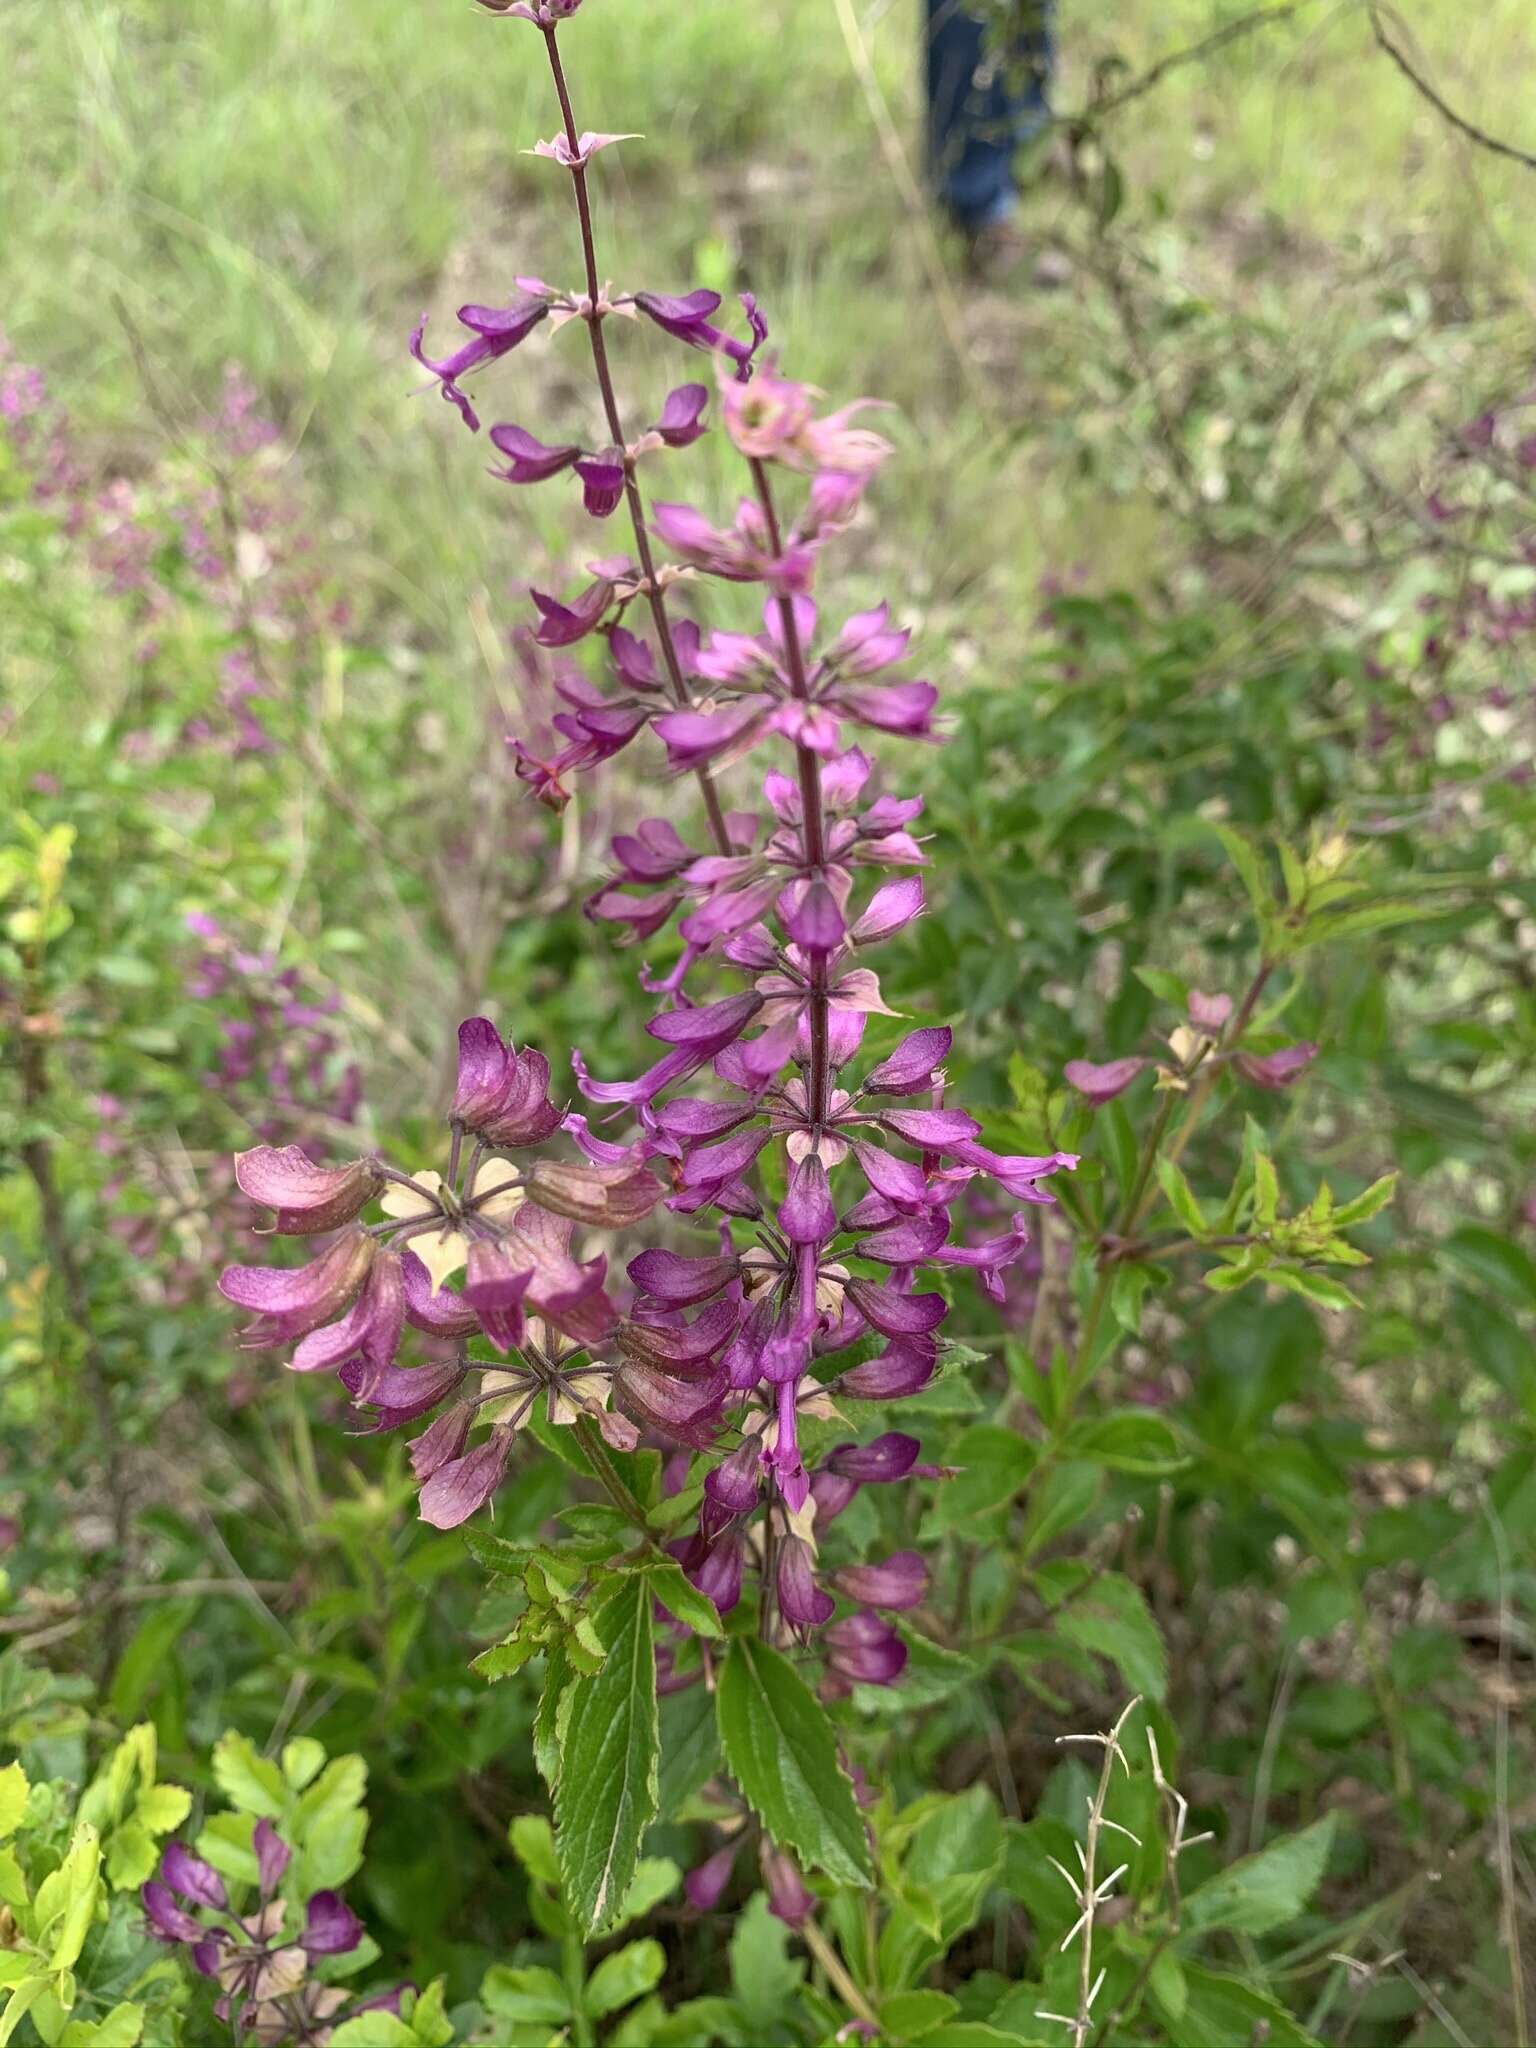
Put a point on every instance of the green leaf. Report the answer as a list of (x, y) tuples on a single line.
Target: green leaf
[(375, 2030), (620, 1979), (1249, 862), (1180, 1196), (682, 1598), (1264, 1891), (79, 1878), (973, 2034), (607, 1791), (161, 1808), (131, 1854), (247, 1780), (528, 1994), (764, 1976), (1168, 988), (655, 1879), (145, 1662), (1218, 2011), (546, 1739), (995, 1463), (1312, 1286), (1364, 1206), (1496, 1261), (1113, 1619), (782, 1751), (301, 1759), (1130, 1441), (690, 1748), (533, 1844), (20, 2003), (120, 2028), (13, 1799)]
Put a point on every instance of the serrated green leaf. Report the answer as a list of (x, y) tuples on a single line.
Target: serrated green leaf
[(606, 1795), (1264, 1891), (1113, 1619), (682, 1599), (546, 1741), (690, 1747), (248, 1780), (782, 1751)]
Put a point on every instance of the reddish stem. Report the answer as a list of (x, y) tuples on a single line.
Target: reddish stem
[(632, 497), (810, 805)]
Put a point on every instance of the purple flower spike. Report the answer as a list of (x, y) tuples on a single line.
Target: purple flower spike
[(912, 1065), (167, 1920), (904, 1367), (290, 1303), (1101, 1084), (806, 1215)]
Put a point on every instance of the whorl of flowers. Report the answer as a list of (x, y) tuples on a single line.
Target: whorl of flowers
[(262, 1957), (727, 1341)]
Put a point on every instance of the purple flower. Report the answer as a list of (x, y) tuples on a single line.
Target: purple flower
[(705, 1884), (496, 331), (789, 1897), (308, 1198), (687, 319), (900, 1582), (289, 1303), (1276, 1070), (862, 1650), (801, 1601), (1101, 1084)]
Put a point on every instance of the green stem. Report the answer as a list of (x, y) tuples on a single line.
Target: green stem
[(608, 1475), (573, 1963), (837, 1974)]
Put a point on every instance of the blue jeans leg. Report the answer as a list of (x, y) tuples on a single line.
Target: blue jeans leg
[(982, 105)]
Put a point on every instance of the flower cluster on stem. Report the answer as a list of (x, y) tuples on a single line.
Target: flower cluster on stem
[(825, 1179)]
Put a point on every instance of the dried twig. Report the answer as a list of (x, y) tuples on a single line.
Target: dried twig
[(1426, 91)]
